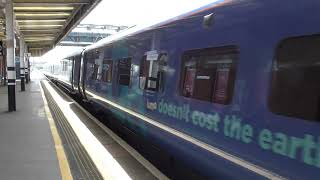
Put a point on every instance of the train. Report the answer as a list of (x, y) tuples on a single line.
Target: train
[(230, 89)]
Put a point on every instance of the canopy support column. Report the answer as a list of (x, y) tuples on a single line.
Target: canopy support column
[(22, 67), (10, 56), (27, 67)]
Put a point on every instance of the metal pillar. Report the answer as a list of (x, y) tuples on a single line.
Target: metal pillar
[(25, 63), (22, 75), (27, 68), (2, 59), (10, 56)]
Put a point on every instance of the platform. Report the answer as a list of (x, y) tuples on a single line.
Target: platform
[(50, 136), (27, 150)]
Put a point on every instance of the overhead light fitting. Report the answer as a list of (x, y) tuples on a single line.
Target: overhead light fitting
[(42, 14), (39, 30), (40, 20), (38, 8), (30, 38), (37, 40), (38, 35), (40, 25)]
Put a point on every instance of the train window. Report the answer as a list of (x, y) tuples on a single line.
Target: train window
[(64, 65), (124, 71), (95, 72), (295, 87), (209, 74), (94, 64), (144, 71), (107, 71), (76, 75), (152, 72)]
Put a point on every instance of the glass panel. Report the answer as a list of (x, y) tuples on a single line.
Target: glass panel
[(295, 87), (208, 74), (152, 73), (124, 71), (107, 71)]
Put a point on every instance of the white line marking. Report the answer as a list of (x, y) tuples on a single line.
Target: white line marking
[(11, 74)]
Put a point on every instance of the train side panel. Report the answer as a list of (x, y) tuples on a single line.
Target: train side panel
[(229, 111)]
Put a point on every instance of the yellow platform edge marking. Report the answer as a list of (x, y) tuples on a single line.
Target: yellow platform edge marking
[(62, 158), (152, 169), (107, 165)]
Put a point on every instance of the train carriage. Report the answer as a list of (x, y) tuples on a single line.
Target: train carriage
[(231, 89)]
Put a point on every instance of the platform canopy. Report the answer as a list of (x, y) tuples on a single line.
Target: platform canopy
[(44, 23)]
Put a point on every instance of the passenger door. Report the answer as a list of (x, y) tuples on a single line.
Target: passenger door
[(83, 72)]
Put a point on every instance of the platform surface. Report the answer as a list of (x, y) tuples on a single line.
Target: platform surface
[(26, 145)]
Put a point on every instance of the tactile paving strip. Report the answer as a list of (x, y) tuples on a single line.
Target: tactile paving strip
[(81, 165)]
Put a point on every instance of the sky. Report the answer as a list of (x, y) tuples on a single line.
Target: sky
[(132, 12)]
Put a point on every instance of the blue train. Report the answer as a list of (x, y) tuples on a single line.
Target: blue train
[(230, 89)]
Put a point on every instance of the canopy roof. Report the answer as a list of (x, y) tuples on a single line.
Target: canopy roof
[(44, 23)]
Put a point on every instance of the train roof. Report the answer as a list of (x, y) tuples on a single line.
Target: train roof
[(149, 27), (74, 52)]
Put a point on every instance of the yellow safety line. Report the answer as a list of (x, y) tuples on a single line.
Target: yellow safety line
[(62, 158), (108, 166)]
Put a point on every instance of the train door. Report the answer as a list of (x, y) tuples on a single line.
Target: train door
[(76, 75), (151, 77), (122, 63), (72, 73), (123, 78), (152, 72), (83, 72)]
